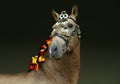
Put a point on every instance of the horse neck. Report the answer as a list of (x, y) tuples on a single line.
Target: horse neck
[(66, 68)]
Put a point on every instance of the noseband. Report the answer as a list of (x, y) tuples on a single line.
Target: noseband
[(67, 39)]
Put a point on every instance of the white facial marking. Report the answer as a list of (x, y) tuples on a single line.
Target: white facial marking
[(57, 23), (66, 22), (67, 31), (53, 30), (64, 30)]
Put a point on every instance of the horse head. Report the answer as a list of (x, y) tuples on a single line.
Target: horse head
[(65, 33)]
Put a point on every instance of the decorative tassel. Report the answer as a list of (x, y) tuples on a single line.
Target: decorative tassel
[(34, 59), (34, 66), (39, 59), (44, 46), (48, 41), (42, 51)]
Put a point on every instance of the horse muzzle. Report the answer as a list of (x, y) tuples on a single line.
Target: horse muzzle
[(56, 48)]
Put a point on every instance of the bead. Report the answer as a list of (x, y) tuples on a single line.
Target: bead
[(79, 36)]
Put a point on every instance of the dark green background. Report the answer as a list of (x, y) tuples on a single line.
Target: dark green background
[(25, 26)]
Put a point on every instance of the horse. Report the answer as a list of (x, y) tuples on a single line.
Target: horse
[(62, 64)]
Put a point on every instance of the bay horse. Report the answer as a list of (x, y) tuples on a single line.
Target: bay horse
[(62, 65)]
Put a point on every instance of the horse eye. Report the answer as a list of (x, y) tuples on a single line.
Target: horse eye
[(70, 25)]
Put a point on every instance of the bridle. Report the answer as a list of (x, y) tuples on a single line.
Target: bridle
[(66, 38), (39, 59)]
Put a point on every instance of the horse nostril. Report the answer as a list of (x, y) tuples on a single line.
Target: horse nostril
[(54, 51), (54, 48)]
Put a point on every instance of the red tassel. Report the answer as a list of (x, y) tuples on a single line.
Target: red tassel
[(42, 52), (44, 46), (33, 66), (48, 41)]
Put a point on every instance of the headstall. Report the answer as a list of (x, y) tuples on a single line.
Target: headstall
[(66, 38)]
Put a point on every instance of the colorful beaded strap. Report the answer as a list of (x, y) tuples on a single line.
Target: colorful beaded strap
[(38, 59)]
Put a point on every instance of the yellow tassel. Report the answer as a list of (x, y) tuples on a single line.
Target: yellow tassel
[(48, 42), (34, 59), (41, 59), (42, 50)]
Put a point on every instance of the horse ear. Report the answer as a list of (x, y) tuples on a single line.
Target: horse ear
[(74, 12), (55, 15)]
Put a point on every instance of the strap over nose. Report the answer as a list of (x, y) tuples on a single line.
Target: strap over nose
[(67, 39)]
